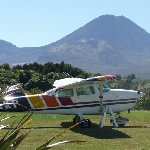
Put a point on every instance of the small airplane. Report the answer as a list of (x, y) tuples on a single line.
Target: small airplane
[(76, 96)]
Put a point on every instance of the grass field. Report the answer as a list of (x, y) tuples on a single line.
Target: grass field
[(134, 136)]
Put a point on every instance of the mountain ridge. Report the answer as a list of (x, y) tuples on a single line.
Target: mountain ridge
[(107, 44)]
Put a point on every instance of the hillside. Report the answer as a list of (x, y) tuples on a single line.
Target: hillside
[(108, 44)]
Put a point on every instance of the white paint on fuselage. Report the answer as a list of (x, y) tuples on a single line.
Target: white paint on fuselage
[(118, 99)]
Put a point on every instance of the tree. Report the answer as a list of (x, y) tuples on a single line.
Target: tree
[(5, 66), (24, 76)]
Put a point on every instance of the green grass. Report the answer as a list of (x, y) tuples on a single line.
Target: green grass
[(134, 136)]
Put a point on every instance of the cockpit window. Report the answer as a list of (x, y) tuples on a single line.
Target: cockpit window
[(65, 93), (88, 90)]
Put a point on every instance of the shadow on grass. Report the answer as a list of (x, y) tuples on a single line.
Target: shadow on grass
[(99, 133), (136, 126)]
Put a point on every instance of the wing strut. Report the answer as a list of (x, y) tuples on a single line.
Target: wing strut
[(105, 109), (101, 96)]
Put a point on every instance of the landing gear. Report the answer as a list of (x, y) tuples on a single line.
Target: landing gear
[(115, 121), (121, 121), (84, 123), (76, 119), (107, 109)]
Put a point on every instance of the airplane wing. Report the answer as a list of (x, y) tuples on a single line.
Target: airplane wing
[(71, 82), (68, 82)]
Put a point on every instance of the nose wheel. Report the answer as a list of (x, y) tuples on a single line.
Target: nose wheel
[(121, 121)]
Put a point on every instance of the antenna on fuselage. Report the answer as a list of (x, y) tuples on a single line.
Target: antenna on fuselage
[(67, 74)]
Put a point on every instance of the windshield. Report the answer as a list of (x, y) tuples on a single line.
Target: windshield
[(50, 92)]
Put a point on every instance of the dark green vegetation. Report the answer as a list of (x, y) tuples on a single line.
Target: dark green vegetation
[(134, 136), (37, 78)]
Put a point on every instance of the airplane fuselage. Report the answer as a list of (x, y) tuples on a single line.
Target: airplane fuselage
[(76, 100), (76, 96)]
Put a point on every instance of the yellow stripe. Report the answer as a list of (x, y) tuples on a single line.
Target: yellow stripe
[(101, 77), (36, 101)]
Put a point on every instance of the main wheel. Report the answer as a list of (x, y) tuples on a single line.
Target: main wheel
[(86, 123)]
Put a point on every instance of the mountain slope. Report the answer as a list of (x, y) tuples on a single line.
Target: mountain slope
[(107, 44)]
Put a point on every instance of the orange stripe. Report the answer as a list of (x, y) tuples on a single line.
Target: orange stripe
[(50, 101), (36, 101)]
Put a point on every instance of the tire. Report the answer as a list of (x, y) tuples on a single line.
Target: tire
[(121, 125), (86, 123)]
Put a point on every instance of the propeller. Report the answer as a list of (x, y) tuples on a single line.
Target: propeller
[(12, 89)]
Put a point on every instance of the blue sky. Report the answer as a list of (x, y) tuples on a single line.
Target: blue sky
[(33, 23)]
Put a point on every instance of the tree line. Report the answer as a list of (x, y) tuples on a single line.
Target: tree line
[(37, 78)]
